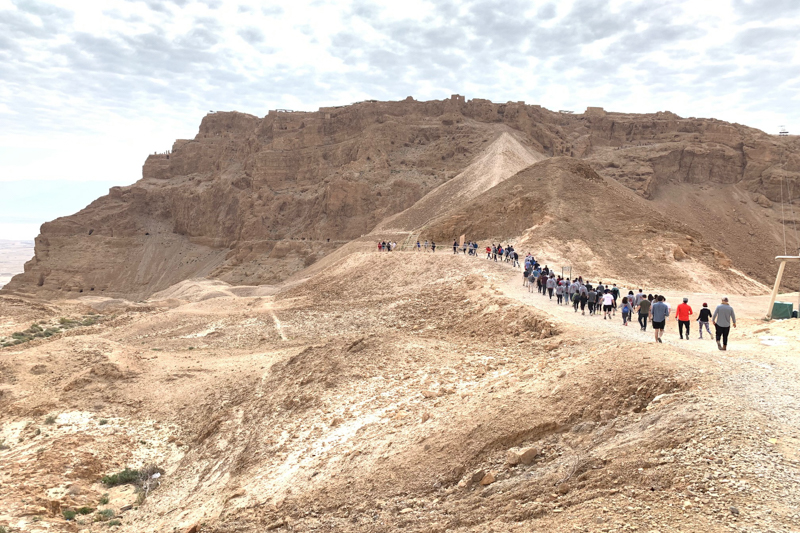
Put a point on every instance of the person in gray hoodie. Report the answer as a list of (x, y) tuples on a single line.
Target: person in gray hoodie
[(659, 312), (723, 318)]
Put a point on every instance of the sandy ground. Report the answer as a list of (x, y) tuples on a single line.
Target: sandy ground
[(396, 391)]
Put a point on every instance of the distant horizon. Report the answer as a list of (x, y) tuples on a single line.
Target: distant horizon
[(27, 204)]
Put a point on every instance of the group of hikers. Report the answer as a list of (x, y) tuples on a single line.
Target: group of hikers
[(384, 246), (604, 299)]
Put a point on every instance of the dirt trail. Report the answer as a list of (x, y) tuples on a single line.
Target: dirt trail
[(374, 395)]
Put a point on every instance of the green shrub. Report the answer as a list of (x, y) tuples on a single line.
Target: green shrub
[(69, 514), (114, 523), (50, 420), (19, 335), (35, 328), (3, 529), (120, 478), (104, 515), (89, 322), (85, 510), (103, 422), (104, 499)]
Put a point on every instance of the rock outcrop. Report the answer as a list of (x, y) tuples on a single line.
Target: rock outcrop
[(253, 200)]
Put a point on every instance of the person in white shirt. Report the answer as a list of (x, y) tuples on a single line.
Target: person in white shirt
[(608, 304)]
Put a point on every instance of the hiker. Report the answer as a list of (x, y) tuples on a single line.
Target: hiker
[(723, 318), (455, 247), (658, 314), (592, 300), (534, 277), (418, 246), (380, 246), (626, 309), (608, 304), (638, 299), (584, 299), (433, 247), (576, 298), (426, 245), (703, 318), (488, 252), (643, 308), (573, 289), (559, 293), (682, 314), (615, 294), (551, 285)]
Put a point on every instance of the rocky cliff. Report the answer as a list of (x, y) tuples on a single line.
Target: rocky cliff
[(253, 200)]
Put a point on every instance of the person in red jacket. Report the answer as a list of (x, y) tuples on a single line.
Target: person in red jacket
[(682, 315)]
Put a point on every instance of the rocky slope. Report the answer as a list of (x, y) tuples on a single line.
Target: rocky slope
[(253, 200), (422, 392), (562, 210)]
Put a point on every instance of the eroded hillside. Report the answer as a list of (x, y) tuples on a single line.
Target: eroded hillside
[(424, 392), (254, 200)]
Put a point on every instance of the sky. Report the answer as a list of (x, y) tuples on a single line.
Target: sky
[(88, 89)]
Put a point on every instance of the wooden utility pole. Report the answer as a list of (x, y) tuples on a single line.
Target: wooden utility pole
[(783, 259)]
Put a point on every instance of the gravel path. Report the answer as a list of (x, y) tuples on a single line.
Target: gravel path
[(749, 456)]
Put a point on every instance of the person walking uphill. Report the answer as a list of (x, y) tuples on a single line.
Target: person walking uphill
[(551, 285), (723, 318), (703, 318), (659, 312), (644, 311), (682, 314)]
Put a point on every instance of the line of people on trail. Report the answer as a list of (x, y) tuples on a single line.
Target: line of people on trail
[(384, 246), (507, 254), (602, 299), (470, 248)]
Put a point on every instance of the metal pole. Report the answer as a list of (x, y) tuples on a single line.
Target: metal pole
[(775, 289)]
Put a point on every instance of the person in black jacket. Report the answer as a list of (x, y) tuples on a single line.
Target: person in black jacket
[(703, 318)]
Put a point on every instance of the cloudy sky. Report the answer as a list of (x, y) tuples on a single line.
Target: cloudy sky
[(89, 88)]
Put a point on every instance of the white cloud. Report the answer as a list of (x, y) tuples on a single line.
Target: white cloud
[(94, 86)]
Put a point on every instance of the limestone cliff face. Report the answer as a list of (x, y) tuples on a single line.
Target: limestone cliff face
[(253, 200), (645, 152)]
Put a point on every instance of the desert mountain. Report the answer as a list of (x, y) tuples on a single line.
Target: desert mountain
[(565, 212), (254, 200), (405, 391)]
